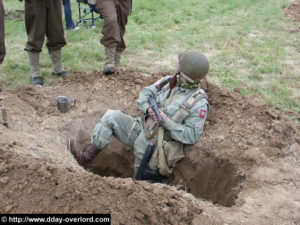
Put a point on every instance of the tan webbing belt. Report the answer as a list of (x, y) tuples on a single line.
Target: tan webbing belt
[(162, 162), (106, 124), (130, 131)]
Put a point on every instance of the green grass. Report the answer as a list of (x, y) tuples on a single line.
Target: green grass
[(247, 44)]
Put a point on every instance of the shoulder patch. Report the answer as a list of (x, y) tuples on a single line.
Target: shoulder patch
[(202, 113)]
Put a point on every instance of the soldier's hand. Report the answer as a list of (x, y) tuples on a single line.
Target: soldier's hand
[(152, 114), (163, 116)]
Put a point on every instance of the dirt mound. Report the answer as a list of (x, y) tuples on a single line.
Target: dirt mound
[(28, 185), (247, 158), (293, 11)]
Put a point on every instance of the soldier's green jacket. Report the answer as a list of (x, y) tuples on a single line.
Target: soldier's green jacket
[(187, 132)]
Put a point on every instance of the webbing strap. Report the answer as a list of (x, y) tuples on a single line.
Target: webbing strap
[(189, 102), (162, 162), (194, 98), (130, 131), (172, 97), (106, 125)]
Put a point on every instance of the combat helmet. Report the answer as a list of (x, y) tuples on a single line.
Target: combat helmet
[(193, 65)]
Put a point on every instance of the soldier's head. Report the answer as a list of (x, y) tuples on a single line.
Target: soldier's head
[(192, 65)]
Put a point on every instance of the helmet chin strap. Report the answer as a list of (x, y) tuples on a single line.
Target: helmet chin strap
[(186, 78), (183, 78), (182, 75), (173, 82)]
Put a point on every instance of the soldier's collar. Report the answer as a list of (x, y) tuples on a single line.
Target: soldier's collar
[(187, 85)]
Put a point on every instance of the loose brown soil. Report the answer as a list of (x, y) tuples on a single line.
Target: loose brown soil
[(293, 11), (245, 169)]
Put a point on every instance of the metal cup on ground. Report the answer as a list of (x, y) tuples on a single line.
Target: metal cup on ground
[(64, 102)]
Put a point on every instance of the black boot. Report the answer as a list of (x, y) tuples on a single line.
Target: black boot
[(60, 74), (83, 158), (37, 81), (108, 70)]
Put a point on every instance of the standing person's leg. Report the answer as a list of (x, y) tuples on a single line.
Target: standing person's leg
[(55, 35), (35, 22), (111, 32), (123, 11), (68, 15), (2, 43)]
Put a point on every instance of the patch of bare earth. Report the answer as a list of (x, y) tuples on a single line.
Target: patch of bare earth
[(14, 14), (244, 170), (293, 11)]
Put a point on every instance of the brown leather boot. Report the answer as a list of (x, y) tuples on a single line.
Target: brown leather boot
[(83, 158)]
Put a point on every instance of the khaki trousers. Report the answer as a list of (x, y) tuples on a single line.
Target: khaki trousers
[(115, 15), (2, 44), (44, 18)]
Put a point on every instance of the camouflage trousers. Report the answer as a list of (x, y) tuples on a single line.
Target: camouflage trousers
[(126, 129)]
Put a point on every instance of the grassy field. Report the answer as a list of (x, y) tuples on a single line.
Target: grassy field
[(247, 44)]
